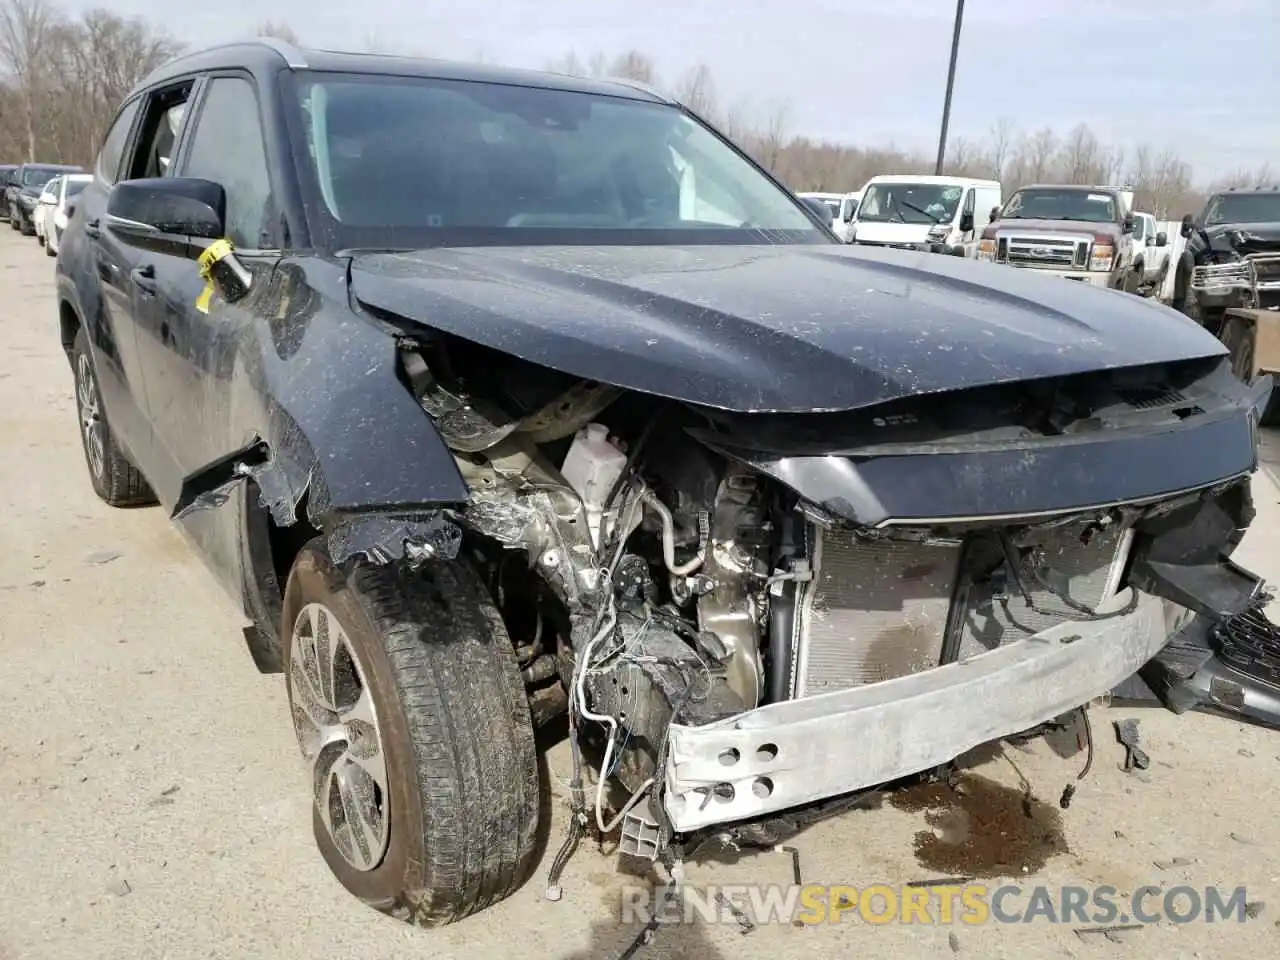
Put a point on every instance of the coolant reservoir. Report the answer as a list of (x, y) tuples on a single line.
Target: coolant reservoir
[(592, 466)]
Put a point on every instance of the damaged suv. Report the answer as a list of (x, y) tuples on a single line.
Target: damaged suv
[(494, 395)]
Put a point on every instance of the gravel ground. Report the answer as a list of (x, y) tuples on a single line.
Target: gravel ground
[(156, 803)]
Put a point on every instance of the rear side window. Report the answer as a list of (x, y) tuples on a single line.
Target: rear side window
[(114, 144)]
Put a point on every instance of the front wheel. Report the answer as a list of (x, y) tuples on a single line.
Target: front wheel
[(409, 707)]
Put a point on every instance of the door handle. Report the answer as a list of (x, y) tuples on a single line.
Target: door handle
[(91, 227), (144, 278)]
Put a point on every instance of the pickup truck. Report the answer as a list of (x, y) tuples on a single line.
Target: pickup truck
[(1082, 233), (1150, 252)]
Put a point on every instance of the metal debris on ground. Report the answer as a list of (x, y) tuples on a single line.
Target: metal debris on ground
[(103, 556), (1111, 933), (1239, 839), (1254, 910), (1135, 758), (745, 925), (1171, 864), (795, 863), (953, 942), (645, 936), (940, 882)]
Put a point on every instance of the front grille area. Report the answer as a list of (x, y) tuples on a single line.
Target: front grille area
[(1049, 252), (878, 609)]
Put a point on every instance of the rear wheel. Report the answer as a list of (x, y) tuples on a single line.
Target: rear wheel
[(115, 480), (409, 707)]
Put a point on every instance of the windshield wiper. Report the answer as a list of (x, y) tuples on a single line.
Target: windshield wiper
[(911, 206)]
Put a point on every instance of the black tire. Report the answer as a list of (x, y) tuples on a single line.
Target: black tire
[(457, 739), (27, 228), (1238, 337), (1131, 282), (115, 479), (49, 251)]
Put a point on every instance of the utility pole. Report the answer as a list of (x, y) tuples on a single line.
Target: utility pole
[(951, 82)]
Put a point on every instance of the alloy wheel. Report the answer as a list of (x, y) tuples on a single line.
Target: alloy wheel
[(337, 728), (91, 427)]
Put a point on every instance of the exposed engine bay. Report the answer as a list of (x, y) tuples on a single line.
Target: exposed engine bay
[(749, 640)]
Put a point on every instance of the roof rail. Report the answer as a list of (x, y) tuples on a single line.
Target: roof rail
[(291, 54)]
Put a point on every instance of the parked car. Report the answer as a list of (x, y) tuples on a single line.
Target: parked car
[(23, 194), (841, 209), (492, 394), (942, 214), (1078, 232), (60, 208), (7, 170), (48, 197), (1150, 252)]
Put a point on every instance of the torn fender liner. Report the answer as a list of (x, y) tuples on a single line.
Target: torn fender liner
[(383, 538), (277, 492)]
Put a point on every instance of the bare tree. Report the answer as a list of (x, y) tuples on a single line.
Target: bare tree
[(1000, 137), (697, 91), (62, 79), (633, 65), (27, 30), (281, 31), (1040, 148)]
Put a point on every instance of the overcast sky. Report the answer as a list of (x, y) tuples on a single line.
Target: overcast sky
[(1198, 76)]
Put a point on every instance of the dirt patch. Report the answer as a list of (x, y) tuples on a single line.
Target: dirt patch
[(981, 828)]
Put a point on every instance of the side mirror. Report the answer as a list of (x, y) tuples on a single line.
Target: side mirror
[(849, 214), (178, 216), (1127, 224), (1188, 225), (71, 208), (1162, 239), (995, 214), (966, 222)]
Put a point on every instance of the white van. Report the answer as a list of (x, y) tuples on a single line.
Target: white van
[(922, 212), (843, 206)]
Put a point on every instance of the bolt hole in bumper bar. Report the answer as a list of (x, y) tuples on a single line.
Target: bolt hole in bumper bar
[(797, 752)]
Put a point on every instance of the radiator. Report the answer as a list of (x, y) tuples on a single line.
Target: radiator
[(874, 610), (1088, 573)]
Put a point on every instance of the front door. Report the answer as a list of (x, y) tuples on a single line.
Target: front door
[(191, 353)]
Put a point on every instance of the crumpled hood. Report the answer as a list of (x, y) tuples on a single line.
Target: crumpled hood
[(1247, 238), (774, 328), (1055, 226)]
